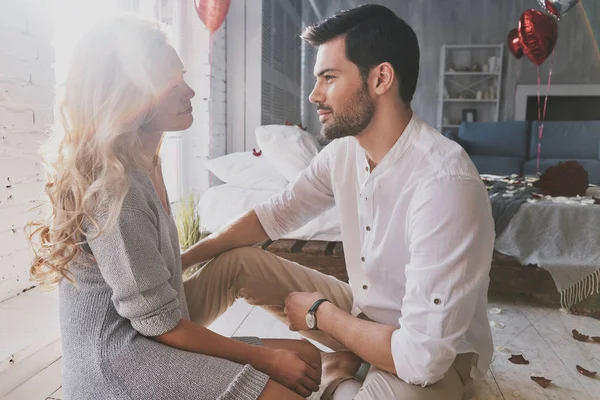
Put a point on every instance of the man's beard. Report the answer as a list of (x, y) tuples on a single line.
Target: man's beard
[(353, 119)]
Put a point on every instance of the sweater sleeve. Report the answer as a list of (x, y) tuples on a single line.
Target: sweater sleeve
[(130, 261)]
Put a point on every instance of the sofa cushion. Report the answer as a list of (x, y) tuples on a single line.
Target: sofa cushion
[(494, 165), (505, 139), (566, 139), (591, 166)]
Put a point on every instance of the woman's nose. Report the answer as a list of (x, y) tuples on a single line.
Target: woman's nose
[(189, 93)]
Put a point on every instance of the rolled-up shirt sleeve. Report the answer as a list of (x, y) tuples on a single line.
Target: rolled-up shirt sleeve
[(301, 201), (130, 261), (451, 238)]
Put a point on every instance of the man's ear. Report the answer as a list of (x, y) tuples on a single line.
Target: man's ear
[(383, 76)]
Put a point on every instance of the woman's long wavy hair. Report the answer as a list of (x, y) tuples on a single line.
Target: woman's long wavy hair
[(109, 93)]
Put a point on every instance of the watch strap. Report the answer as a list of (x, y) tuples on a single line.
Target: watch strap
[(314, 307)]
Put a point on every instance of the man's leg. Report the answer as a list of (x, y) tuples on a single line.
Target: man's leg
[(381, 385), (262, 279)]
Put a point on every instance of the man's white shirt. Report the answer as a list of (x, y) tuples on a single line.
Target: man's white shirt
[(418, 238)]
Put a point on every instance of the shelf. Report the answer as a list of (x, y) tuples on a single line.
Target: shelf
[(471, 73), (471, 100)]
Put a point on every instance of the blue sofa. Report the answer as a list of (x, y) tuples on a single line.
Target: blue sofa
[(510, 147)]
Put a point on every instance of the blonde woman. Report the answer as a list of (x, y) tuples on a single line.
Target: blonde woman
[(110, 242)]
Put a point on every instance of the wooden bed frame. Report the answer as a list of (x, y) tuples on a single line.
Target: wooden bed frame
[(506, 275)]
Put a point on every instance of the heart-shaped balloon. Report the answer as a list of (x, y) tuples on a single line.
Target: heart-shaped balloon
[(538, 34), (558, 8), (212, 12), (514, 43)]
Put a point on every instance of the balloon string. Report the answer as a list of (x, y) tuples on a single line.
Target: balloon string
[(210, 127), (542, 115)]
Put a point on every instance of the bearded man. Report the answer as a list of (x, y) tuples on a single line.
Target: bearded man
[(416, 225)]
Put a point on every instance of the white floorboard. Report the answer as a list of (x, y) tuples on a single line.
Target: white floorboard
[(541, 334)]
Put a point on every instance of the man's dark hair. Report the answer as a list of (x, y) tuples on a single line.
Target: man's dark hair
[(373, 35)]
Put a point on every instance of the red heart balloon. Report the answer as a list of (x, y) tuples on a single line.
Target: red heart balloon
[(514, 43), (212, 12), (538, 34), (558, 7)]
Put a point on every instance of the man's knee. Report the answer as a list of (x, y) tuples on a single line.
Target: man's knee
[(231, 262), (238, 256)]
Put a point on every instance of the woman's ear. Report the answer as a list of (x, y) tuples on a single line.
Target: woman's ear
[(384, 76)]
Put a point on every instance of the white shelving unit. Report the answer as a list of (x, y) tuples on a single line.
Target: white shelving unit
[(469, 79)]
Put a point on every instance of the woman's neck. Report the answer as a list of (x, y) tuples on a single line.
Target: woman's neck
[(151, 143)]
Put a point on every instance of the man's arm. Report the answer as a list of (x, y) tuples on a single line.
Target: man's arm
[(368, 340), (451, 239)]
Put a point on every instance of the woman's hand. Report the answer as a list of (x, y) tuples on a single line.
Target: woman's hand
[(292, 370)]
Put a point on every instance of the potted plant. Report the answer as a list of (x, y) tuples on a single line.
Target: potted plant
[(188, 226)]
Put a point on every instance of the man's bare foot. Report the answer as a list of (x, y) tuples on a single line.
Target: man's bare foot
[(338, 365)]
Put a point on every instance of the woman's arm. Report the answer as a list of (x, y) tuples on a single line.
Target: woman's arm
[(286, 367)]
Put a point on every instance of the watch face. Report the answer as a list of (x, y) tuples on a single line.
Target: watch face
[(310, 321)]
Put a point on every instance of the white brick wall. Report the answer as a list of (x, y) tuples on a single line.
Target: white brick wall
[(26, 96)]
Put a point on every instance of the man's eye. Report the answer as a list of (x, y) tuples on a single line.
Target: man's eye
[(328, 77)]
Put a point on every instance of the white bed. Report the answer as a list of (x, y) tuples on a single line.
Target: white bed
[(222, 204), (253, 177)]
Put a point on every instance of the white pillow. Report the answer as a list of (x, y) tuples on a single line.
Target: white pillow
[(246, 170), (222, 204), (288, 148)]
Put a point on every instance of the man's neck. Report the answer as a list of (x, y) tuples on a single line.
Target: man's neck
[(383, 132)]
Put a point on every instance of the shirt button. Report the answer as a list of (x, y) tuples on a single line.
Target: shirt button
[(368, 228), (367, 169), (362, 259), (437, 302), (365, 287)]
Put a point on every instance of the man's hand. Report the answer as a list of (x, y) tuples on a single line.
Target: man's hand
[(290, 369), (296, 307)]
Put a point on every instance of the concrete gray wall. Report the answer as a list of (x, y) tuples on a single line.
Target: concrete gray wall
[(436, 22)]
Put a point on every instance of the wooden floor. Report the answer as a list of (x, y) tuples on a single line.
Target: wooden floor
[(542, 335)]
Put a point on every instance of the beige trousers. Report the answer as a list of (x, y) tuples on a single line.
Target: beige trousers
[(263, 279)]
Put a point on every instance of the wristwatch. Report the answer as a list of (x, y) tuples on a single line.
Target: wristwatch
[(311, 316)]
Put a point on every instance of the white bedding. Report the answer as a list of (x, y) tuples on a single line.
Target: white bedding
[(222, 204)]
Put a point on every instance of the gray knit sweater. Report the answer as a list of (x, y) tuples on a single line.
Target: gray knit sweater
[(134, 290)]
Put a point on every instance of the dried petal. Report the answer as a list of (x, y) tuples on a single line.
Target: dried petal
[(518, 359), (578, 336), (540, 380), (584, 371), (495, 324), (596, 339)]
